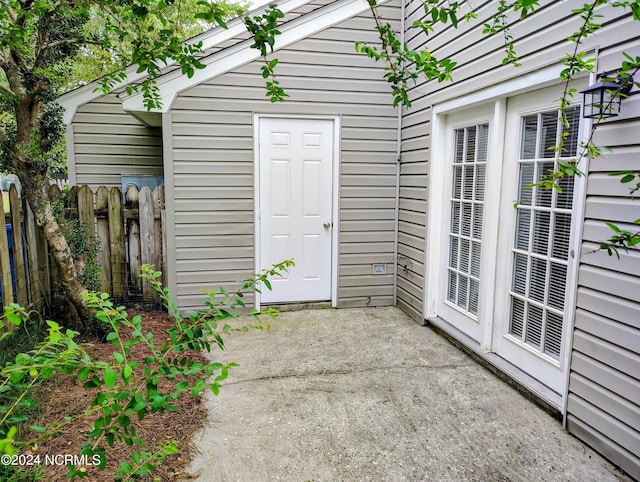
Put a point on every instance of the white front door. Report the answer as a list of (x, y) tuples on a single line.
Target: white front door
[(295, 206)]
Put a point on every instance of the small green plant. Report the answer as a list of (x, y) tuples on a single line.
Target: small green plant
[(125, 388), (264, 29)]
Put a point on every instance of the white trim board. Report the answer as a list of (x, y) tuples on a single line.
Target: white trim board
[(528, 82), (72, 100), (219, 63)]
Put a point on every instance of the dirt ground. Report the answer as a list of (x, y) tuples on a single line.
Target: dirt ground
[(65, 396)]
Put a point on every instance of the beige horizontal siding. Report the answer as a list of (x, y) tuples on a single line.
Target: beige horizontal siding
[(603, 403), (109, 143), (213, 163)]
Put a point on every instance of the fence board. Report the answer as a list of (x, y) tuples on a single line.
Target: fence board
[(132, 198), (147, 241), (158, 208), (134, 228), (18, 253), (43, 264), (116, 241), (5, 264), (85, 210), (102, 223), (35, 295)]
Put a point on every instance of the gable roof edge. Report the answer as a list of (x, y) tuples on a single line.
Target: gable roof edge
[(73, 99)]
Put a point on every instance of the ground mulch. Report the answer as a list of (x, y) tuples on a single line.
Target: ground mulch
[(65, 396)]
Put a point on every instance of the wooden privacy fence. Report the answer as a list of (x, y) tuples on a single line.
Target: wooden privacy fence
[(129, 231)]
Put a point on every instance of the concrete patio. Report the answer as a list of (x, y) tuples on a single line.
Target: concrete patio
[(368, 394)]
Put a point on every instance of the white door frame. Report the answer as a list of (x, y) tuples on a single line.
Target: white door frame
[(335, 195)]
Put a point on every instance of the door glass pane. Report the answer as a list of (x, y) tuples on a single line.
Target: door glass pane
[(549, 121), (529, 135), (467, 212), (542, 233)]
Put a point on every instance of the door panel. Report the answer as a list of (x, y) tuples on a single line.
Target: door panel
[(532, 321), (296, 172), (467, 149), (506, 272)]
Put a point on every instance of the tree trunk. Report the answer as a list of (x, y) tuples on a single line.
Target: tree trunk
[(35, 190)]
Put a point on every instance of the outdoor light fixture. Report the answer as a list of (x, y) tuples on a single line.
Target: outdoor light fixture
[(603, 98)]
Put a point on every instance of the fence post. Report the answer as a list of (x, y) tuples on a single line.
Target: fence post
[(38, 261), (5, 264), (32, 255), (147, 242), (116, 242), (104, 254), (18, 252)]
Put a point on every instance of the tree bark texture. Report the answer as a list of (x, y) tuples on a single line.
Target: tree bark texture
[(32, 173), (35, 189)]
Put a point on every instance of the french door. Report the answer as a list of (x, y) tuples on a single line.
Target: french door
[(506, 269), (537, 265), (462, 229)]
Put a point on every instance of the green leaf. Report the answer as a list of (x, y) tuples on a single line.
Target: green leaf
[(16, 376), (180, 387), (124, 421), (198, 387), (83, 373), (46, 372), (140, 10), (110, 377), (613, 227), (118, 357), (627, 178), (139, 407), (454, 18)]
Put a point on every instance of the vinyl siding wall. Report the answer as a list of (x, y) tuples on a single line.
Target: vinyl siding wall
[(212, 137), (604, 389), (108, 143)]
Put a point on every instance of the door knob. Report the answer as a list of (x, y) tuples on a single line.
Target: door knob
[(327, 224)]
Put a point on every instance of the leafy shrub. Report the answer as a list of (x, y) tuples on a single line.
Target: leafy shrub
[(125, 388)]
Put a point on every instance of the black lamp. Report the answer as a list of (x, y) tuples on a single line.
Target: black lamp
[(603, 99)]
